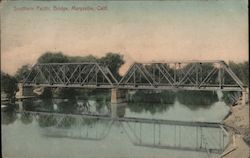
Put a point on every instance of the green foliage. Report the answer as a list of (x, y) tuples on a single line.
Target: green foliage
[(113, 62), (8, 85), (77, 59), (50, 57), (203, 68), (23, 72), (241, 70)]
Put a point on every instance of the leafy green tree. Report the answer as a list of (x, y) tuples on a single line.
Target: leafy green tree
[(89, 58), (203, 69), (8, 85), (241, 70), (23, 72), (50, 57), (113, 61)]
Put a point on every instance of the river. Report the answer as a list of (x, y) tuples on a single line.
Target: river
[(27, 135)]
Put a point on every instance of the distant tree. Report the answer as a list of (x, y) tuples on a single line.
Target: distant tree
[(8, 85), (241, 70), (89, 58), (23, 72), (113, 61), (50, 57)]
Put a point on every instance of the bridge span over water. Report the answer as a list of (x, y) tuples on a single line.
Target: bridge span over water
[(174, 75)]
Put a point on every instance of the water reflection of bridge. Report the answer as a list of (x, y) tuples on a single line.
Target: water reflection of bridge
[(167, 134)]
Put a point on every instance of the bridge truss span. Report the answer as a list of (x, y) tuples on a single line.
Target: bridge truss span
[(187, 75), (86, 75)]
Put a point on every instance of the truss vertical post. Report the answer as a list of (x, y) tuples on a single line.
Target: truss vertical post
[(175, 73)]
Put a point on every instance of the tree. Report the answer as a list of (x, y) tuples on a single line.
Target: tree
[(89, 58), (113, 62), (241, 70), (23, 72), (50, 57), (8, 85)]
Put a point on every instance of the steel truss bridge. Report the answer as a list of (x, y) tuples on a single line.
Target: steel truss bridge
[(185, 75)]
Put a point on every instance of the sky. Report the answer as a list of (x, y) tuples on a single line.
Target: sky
[(142, 31)]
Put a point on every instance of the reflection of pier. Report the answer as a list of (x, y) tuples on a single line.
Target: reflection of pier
[(166, 134)]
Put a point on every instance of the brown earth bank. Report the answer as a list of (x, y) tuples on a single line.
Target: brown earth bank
[(238, 128)]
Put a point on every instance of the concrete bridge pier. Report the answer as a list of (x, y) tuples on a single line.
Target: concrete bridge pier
[(24, 92), (119, 100)]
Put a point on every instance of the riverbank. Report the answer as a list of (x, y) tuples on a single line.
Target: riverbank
[(239, 121)]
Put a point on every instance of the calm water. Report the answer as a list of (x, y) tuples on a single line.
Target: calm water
[(51, 135)]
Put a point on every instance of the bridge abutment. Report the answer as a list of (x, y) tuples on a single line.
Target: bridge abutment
[(24, 92), (118, 102)]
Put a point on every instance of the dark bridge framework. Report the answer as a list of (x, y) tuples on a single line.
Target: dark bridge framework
[(185, 75)]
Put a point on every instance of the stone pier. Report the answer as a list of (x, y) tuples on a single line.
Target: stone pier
[(24, 92), (118, 102)]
